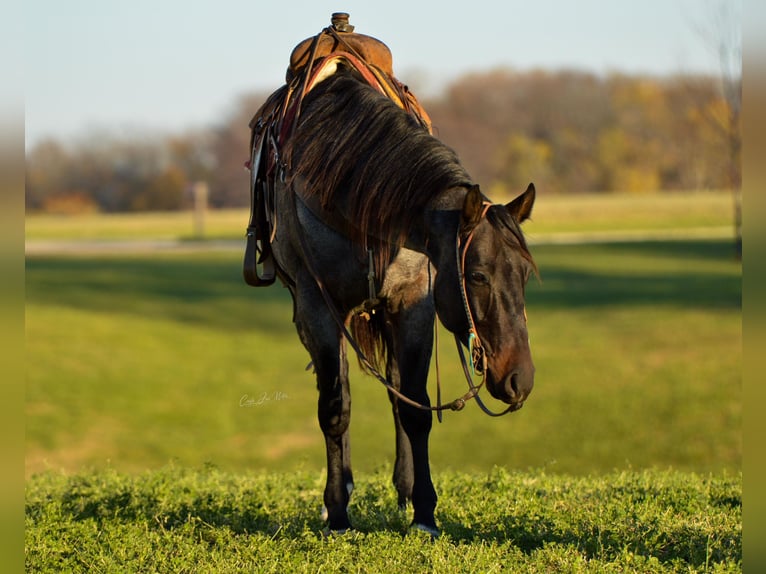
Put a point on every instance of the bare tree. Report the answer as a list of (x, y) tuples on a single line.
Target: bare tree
[(723, 35)]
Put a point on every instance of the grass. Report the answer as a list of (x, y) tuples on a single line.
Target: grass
[(553, 213), (219, 224), (206, 520), (138, 360), (627, 456), (625, 212)]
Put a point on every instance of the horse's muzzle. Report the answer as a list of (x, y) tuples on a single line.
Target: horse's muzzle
[(514, 388)]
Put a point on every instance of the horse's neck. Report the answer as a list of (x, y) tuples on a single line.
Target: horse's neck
[(436, 236), (450, 200)]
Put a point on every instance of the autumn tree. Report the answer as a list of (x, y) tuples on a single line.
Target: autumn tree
[(231, 149), (722, 33), (577, 132), (568, 131)]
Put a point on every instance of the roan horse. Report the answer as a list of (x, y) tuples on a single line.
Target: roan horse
[(376, 229)]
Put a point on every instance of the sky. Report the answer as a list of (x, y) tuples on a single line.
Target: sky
[(167, 66)]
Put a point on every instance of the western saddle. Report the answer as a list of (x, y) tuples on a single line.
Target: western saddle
[(311, 61)]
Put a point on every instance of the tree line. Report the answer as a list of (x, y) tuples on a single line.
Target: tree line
[(568, 131)]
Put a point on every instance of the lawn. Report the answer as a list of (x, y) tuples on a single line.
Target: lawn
[(133, 361), (552, 213), (171, 424), (207, 520)]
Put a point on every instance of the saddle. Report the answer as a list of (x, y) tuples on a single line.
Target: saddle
[(313, 60), (371, 50)]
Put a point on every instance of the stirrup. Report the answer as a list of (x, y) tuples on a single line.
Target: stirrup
[(256, 257)]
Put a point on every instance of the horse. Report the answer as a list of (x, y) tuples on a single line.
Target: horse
[(376, 229)]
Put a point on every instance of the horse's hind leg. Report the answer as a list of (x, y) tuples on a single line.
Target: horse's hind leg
[(320, 336), (334, 412)]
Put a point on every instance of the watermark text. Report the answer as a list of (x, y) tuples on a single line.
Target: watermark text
[(262, 399)]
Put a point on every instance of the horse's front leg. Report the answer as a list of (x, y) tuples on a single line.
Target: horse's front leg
[(321, 338), (411, 339), (404, 474)]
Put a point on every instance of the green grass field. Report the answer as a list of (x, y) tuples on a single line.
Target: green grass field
[(206, 520), (552, 213), (137, 360), (142, 367)]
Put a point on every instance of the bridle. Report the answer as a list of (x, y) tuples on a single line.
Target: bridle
[(478, 354), (476, 349)]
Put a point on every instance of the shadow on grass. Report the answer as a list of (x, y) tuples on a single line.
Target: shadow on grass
[(702, 274), (565, 288), (208, 289), (720, 250), (195, 289)]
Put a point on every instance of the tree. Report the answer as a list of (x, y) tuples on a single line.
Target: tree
[(567, 131), (522, 160), (723, 35), (162, 192), (230, 149), (46, 174)]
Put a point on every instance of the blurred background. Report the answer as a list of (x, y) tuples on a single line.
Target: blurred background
[(144, 345)]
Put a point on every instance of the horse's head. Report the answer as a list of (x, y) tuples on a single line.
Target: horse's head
[(489, 270)]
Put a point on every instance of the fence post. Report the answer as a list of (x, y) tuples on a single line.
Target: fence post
[(200, 191)]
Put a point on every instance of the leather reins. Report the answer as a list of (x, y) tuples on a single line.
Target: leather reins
[(478, 355)]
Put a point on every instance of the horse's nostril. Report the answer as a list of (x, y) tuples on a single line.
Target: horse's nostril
[(514, 384)]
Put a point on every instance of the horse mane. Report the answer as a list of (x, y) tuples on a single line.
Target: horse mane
[(366, 158)]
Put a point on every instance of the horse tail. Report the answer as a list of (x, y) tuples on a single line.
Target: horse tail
[(367, 330)]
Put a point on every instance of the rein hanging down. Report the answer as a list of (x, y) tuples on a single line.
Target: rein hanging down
[(478, 355)]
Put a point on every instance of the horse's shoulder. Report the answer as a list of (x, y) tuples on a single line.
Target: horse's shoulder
[(406, 279)]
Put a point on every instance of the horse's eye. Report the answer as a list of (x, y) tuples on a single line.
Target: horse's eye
[(479, 278)]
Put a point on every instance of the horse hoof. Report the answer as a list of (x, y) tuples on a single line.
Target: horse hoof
[(430, 530)]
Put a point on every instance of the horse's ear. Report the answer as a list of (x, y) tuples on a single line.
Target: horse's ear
[(472, 209), (521, 207)]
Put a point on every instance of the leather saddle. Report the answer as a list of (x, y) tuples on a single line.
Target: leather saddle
[(370, 49), (272, 124)]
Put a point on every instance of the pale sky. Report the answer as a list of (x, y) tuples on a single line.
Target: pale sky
[(171, 65)]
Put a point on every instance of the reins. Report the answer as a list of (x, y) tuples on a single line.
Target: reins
[(478, 356)]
